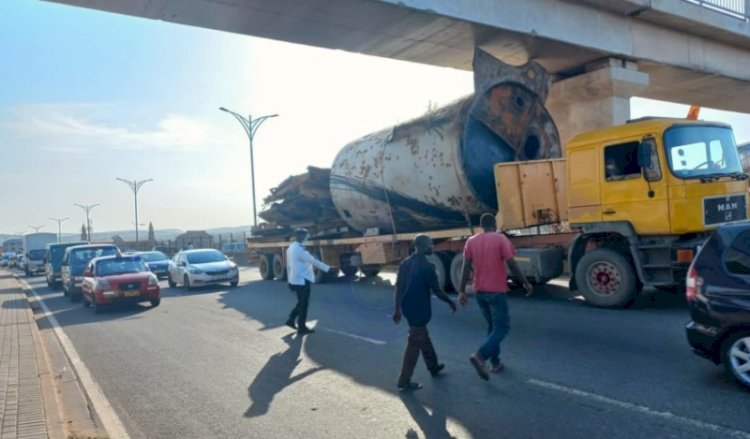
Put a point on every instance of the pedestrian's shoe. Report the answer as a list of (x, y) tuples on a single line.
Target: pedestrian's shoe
[(478, 364), (304, 330), (409, 387), (436, 371), (496, 368), (290, 323)]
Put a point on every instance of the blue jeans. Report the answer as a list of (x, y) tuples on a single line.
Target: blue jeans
[(495, 310)]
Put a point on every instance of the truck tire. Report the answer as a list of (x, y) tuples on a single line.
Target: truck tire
[(442, 276), (370, 270), (606, 279), (457, 264), (265, 266), (279, 268), (446, 258)]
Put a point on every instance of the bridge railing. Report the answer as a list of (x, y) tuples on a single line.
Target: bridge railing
[(736, 8)]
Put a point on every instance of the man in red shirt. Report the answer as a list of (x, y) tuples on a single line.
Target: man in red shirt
[(487, 254)]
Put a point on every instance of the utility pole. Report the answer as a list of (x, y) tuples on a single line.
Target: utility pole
[(59, 227), (87, 208), (36, 228), (135, 186), (250, 126)]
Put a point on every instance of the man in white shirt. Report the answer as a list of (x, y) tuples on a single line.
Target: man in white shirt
[(299, 268)]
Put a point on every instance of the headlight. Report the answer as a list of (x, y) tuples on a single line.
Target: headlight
[(103, 285), (195, 271), (153, 281)]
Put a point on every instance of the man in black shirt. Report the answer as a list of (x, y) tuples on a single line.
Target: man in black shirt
[(416, 280)]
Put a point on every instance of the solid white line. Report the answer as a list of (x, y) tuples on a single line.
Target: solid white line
[(358, 337), (111, 422), (642, 409)]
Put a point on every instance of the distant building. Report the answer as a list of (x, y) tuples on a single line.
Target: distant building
[(13, 245), (198, 239)]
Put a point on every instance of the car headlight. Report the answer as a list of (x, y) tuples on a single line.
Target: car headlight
[(102, 285), (153, 281), (195, 271)]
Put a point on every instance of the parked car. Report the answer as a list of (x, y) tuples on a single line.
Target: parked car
[(13, 261), (718, 294), (53, 262), (5, 260), (74, 262), (157, 262), (115, 279), (192, 268)]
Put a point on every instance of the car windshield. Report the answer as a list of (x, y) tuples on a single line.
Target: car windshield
[(702, 151), (205, 257), (84, 255), (112, 267), (37, 255), (153, 256)]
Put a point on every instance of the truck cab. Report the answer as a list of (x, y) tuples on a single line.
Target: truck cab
[(644, 196)]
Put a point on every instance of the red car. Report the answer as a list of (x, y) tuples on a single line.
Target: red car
[(114, 279)]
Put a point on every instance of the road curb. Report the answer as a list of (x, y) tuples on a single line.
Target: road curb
[(73, 407)]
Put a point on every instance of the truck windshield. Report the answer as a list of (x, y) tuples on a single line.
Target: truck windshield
[(702, 152), (37, 255)]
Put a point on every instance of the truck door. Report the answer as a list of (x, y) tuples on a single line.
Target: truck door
[(634, 189)]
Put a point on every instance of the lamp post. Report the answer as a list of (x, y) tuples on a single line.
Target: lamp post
[(36, 228), (87, 208), (135, 186), (59, 227), (250, 126)]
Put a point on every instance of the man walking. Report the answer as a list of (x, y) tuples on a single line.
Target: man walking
[(299, 269), (487, 253), (416, 280)]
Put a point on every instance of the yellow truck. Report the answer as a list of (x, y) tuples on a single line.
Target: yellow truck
[(626, 207)]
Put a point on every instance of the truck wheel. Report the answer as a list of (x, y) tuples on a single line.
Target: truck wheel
[(265, 266), (457, 264), (279, 268), (735, 352), (370, 270), (606, 279), (435, 260)]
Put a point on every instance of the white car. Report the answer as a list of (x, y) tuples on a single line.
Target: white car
[(192, 268)]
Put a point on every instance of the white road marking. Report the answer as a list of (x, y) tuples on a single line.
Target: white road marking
[(358, 337), (111, 422), (642, 409)]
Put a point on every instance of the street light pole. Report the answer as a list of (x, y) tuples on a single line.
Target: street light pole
[(135, 186), (87, 208), (36, 228), (250, 126), (59, 227)]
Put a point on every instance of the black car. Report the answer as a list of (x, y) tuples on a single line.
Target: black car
[(156, 261), (718, 294)]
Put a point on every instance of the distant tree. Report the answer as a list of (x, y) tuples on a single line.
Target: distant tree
[(84, 235), (151, 235)]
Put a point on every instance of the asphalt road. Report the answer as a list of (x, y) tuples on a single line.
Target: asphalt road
[(218, 362)]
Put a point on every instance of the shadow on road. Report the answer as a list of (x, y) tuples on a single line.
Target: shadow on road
[(433, 426), (276, 375)]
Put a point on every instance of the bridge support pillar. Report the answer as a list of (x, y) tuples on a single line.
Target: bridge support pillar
[(596, 99)]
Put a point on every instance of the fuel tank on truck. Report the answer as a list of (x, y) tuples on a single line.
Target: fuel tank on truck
[(437, 171)]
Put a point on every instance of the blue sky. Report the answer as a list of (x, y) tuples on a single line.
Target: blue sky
[(89, 96)]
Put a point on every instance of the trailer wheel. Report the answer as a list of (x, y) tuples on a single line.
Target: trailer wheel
[(435, 260), (265, 266), (446, 258), (457, 265), (606, 279), (279, 268), (370, 270)]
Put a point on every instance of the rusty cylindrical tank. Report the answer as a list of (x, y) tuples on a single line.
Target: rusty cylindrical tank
[(437, 171)]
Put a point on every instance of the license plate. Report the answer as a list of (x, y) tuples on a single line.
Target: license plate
[(131, 293)]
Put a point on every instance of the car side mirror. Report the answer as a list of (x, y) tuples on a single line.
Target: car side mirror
[(644, 154), (181, 264)]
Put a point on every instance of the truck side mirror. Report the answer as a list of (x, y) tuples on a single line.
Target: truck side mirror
[(644, 154)]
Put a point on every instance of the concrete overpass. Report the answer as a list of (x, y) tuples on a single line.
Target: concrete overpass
[(602, 51)]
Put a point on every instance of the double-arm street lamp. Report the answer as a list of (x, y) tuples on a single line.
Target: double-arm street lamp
[(59, 227), (87, 208), (135, 186), (36, 228), (250, 126)]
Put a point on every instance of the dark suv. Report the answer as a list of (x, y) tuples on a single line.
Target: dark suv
[(718, 294)]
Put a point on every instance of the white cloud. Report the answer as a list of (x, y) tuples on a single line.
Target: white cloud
[(72, 128)]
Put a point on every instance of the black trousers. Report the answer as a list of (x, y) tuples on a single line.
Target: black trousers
[(418, 342), (299, 312)]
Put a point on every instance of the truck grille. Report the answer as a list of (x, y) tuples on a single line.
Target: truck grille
[(719, 210)]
